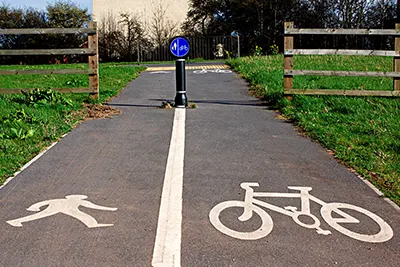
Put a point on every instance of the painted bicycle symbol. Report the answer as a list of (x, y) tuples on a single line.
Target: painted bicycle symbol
[(251, 205), (205, 71)]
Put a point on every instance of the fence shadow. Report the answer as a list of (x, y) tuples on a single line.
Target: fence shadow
[(254, 103), (132, 105)]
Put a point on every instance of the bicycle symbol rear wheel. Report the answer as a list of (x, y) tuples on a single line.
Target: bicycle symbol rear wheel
[(265, 228), (203, 71), (385, 232)]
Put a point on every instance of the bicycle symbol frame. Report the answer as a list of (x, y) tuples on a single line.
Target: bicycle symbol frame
[(251, 205)]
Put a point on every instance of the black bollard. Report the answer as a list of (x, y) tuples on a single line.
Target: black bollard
[(180, 98)]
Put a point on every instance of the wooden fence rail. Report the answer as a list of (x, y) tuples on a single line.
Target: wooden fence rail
[(289, 52), (91, 52)]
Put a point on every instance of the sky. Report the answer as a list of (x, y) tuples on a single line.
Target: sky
[(41, 4)]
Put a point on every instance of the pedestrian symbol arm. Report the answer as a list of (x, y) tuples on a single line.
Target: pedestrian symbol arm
[(37, 206), (90, 205)]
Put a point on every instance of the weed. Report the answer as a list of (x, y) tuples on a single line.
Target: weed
[(191, 105), (170, 104), (167, 104), (273, 50), (228, 55), (39, 97), (19, 116), (257, 51), (21, 134), (75, 82)]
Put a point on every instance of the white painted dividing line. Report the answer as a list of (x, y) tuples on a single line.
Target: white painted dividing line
[(167, 249)]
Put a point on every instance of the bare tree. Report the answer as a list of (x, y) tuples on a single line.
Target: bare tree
[(162, 29), (133, 34), (120, 36), (398, 10), (110, 38), (351, 12)]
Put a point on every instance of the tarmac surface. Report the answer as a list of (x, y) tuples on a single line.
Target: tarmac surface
[(121, 165)]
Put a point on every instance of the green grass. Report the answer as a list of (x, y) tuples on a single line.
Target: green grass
[(364, 132), (27, 127)]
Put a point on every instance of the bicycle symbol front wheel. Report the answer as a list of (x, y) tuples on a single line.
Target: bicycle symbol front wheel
[(265, 228), (385, 233), (223, 71)]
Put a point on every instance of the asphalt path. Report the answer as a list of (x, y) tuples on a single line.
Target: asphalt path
[(230, 139)]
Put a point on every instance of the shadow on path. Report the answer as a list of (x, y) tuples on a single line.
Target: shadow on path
[(132, 105), (255, 103)]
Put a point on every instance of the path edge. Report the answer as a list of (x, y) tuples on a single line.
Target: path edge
[(38, 156)]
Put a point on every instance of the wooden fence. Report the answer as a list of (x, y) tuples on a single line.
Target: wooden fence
[(91, 51), (290, 31)]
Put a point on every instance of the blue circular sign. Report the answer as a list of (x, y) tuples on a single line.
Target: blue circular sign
[(179, 47)]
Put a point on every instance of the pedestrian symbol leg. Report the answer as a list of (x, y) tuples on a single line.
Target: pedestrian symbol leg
[(88, 220), (40, 215)]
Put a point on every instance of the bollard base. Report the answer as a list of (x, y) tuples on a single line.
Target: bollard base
[(180, 100)]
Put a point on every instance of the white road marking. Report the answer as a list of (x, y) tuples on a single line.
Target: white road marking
[(160, 72), (30, 162), (251, 205), (167, 249), (205, 71), (378, 192), (69, 206)]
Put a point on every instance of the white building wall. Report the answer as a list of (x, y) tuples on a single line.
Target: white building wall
[(176, 10)]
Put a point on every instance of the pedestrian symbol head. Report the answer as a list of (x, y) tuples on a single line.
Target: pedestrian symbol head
[(77, 197)]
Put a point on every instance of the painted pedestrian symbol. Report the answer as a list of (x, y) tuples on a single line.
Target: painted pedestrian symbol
[(329, 212), (68, 206), (179, 47)]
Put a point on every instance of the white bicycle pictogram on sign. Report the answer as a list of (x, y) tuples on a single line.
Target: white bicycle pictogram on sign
[(205, 71), (250, 204)]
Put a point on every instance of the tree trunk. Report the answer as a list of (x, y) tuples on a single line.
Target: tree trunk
[(398, 11)]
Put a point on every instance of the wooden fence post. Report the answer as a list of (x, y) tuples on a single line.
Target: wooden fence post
[(288, 79), (94, 61), (396, 81)]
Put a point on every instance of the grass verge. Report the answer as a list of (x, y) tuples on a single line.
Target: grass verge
[(29, 123), (363, 132)]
